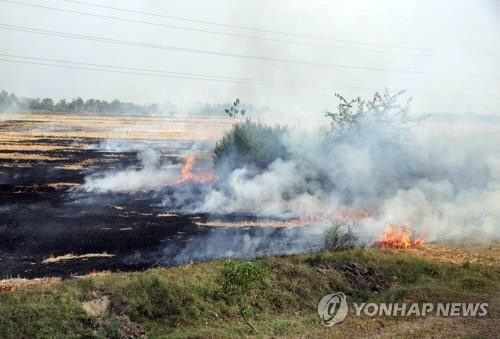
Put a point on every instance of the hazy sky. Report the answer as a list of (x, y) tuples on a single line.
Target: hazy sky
[(330, 46)]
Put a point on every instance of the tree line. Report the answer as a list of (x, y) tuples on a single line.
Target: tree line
[(11, 102)]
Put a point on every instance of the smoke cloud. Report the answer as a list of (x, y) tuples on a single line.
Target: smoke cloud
[(148, 176), (440, 178)]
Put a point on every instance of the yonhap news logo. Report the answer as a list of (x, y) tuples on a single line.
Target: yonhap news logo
[(333, 309)]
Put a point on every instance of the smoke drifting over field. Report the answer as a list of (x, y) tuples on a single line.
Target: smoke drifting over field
[(148, 176), (134, 176), (441, 186), (440, 178)]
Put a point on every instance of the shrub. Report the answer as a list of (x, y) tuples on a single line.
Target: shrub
[(238, 278), (249, 143), (383, 113), (340, 236)]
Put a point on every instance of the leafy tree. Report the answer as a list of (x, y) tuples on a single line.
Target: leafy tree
[(7, 101), (383, 112), (47, 105), (61, 106)]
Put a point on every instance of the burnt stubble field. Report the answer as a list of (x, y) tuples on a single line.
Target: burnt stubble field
[(105, 210), (51, 227)]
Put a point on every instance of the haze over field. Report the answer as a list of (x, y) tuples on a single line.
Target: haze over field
[(226, 168), (285, 60), (444, 52)]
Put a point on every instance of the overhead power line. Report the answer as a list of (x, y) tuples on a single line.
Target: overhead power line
[(256, 29), (207, 22), (172, 26), (198, 21), (109, 17), (67, 64), (142, 71), (328, 46), (234, 55)]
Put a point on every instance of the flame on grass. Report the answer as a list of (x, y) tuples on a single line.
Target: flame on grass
[(398, 237), (187, 174)]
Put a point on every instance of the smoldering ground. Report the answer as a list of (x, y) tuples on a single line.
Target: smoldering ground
[(437, 176), (441, 184), (440, 178)]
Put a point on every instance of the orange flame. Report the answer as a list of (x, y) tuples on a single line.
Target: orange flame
[(188, 176), (398, 237), (186, 168), (10, 288)]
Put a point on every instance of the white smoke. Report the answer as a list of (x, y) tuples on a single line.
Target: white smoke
[(150, 175), (441, 178), (444, 184)]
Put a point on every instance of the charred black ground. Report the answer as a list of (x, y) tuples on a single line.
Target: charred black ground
[(43, 216)]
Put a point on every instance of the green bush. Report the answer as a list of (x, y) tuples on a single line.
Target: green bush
[(237, 278), (251, 144), (340, 236)]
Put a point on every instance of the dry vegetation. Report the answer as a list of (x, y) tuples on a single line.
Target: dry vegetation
[(260, 223), (460, 254), (71, 256), (35, 126)]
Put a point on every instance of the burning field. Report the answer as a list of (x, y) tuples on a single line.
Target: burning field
[(59, 218), (92, 200), (85, 193), (398, 237)]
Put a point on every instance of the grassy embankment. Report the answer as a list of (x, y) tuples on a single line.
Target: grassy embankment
[(269, 297)]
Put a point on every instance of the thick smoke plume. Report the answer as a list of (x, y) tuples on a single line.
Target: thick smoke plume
[(441, 178), (149, 175)]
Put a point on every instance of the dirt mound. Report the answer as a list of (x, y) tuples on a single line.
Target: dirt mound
[(97, 307), (358, 275), (111, 324), (129, 329)]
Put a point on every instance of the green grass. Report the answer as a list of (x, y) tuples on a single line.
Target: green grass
[(268, 297)]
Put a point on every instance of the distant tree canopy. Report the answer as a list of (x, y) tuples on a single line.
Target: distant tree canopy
[(7, 100), (10, 102)]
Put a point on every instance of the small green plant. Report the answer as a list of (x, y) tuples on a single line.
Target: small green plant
[(340, 236), (238, 280)]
